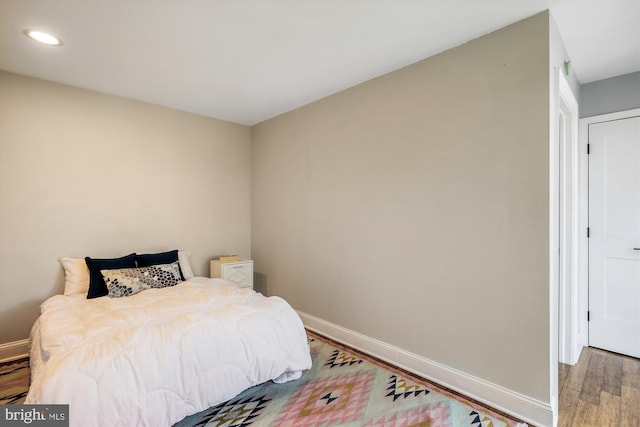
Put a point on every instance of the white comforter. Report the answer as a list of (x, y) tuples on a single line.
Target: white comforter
[(155, 357)]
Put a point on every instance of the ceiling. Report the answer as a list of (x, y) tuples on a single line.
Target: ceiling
[(246, 61)]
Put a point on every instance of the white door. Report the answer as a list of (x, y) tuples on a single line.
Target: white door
[(614, 241)]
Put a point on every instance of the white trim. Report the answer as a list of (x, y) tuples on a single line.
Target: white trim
[(619, 115), (583, 242), (14, 350), (570, 330), (506, 400)]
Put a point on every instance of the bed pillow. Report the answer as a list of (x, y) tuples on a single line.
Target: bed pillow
[(129, 281), (97, 287), (76, 276), (147, 260), (185, 265)]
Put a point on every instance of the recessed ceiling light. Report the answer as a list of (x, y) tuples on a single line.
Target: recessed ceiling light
[(43, 38)]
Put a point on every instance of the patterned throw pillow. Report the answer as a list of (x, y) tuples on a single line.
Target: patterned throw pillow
[(130, 281)]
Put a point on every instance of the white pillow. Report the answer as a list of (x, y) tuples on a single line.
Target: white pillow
[(185, 266), (76, 276)]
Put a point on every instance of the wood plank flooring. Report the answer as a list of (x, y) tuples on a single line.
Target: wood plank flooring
[(602, 389)]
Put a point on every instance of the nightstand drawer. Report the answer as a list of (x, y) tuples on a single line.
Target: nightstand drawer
[(240, 273)]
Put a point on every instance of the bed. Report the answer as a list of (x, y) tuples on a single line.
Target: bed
[(155, 357)]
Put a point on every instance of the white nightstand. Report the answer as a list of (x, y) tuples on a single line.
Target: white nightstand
[(240, 273)]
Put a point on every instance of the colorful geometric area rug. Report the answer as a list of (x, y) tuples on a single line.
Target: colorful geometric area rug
[(347, 388), (343, 388)]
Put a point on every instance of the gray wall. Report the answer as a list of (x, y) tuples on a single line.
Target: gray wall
[(610, 95), (414, 208), (83, 173)]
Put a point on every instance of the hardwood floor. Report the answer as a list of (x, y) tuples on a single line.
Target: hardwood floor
[(602, 389)]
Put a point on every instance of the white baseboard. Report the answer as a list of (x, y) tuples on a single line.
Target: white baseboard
[(14, 350), (530, 410)]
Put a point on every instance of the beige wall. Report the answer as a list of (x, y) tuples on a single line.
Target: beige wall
[(83, 173), (414, 208)]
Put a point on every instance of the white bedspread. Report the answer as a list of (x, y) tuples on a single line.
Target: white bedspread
[(155, 357)]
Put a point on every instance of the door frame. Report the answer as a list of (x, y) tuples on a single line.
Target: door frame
[(569, 292), (562, 100), (584, 208)]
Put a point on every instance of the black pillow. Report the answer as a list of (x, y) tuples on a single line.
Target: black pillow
[(148, 260), (97, 287)]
